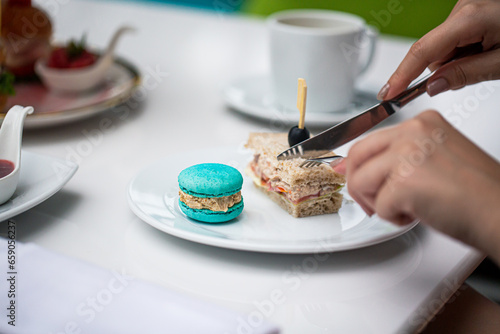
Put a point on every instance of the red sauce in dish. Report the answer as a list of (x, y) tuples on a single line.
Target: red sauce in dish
[(6, 167)]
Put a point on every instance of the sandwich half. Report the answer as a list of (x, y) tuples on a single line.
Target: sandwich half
[(302, 192)]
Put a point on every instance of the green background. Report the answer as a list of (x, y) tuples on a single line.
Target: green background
[(412, 18)]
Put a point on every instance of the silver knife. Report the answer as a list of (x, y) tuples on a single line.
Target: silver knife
[(353, 127)]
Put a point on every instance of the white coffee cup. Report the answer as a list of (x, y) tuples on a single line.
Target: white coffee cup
[(328, 49)]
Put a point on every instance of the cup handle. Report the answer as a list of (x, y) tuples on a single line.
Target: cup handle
[(370, 35)]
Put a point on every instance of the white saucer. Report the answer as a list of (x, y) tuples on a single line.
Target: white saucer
[(252, 96), (40, 178), (263, 226)]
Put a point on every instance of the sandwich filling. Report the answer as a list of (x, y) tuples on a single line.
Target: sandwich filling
[(266, 175), (210, 203)]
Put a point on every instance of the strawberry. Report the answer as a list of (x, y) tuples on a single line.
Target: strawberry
[(85, 59), (74, 55), (58, 58)]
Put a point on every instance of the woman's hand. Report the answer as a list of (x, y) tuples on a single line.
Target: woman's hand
[(471, 23), (425, 169)]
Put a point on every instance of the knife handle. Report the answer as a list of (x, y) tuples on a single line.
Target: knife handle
[(412, 92)]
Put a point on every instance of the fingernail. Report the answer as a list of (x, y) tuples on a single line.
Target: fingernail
[(338, 166), (437, 86), (383, 92), (336, 162)]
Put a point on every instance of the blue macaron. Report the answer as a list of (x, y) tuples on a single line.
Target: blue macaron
[(208, 183)]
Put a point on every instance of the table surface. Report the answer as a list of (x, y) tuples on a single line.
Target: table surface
[(393, 287)]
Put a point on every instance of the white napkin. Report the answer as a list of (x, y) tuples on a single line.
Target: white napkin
[(55, 294)]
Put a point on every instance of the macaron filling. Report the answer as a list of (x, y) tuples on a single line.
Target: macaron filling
[(209, 216), (221, 204)]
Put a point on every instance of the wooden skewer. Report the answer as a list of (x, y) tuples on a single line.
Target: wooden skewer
[(301, 101)]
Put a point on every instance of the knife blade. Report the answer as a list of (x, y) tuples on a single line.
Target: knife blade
[(353, 127)]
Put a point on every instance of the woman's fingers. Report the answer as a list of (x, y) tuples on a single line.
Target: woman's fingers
[(472, 24), (457, 53), (429, 49), (467, 71), (392, 204), (360, 153), (370, 146), (340, 167), (366, 181), (386, 158)]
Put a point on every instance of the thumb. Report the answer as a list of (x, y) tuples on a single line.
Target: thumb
[(466, 71)]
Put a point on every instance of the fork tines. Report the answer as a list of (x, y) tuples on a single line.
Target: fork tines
[(311, 163)]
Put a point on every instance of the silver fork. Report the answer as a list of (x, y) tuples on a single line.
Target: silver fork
[(309, 163)]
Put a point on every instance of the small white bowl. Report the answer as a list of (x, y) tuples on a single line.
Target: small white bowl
[(72, 80), (76, 80)]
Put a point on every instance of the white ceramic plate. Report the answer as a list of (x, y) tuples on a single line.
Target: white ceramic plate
[(40, 178), (263, 226), (252, 96), (53, 109)]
